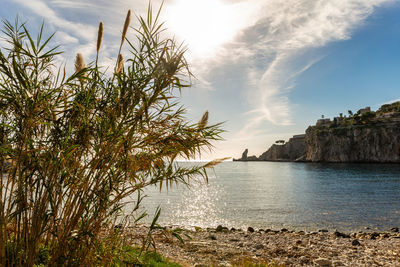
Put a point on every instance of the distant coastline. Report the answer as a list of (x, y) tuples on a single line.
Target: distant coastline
[(364, 137)]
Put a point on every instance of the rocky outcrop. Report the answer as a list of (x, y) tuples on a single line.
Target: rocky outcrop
[(245, 157), (290, 151), (294, 149), (356, 143)]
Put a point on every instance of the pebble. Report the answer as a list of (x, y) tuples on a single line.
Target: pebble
[(374, 235), (259, 246), (250, 229), (355, 242), (395, 229), (339, 234), (337, 263), (304, 259), (323, 262), (221, 228)]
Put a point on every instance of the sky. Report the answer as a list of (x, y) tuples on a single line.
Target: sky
[(268, 69)]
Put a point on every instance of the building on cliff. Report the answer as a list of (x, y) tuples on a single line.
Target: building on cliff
[(364, 110), (324, 122), (367, 136)]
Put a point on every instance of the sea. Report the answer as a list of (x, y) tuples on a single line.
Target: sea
[(276, 195)]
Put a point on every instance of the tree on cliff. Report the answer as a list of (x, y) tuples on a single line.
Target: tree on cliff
[(81, 144)]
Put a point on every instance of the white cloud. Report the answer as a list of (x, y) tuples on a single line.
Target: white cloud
[(73, 4), (283, 33), (40, 8), (65, 38)]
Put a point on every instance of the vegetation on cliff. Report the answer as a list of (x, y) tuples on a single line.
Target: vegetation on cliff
[(366, 136), (385, 114), (75, 147)]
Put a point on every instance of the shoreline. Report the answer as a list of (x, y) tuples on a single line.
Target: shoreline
[(323, 162), (223, 247)]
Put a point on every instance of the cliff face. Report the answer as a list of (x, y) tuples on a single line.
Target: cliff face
[(290, 151), (366, 136), (361, 143)]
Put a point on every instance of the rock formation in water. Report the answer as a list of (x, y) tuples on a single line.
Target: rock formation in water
[(245, 157), (362, 137)]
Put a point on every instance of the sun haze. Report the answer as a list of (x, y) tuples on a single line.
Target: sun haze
[(203, 25)]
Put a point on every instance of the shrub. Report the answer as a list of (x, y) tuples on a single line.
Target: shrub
[(393, 107), (368, 116), (76, 146)]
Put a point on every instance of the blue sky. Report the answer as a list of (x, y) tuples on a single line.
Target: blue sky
[(268, 68)]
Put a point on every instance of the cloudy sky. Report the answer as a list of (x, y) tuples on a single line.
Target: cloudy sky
[(268, 68)]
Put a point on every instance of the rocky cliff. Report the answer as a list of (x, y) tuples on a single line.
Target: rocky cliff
[(291, 151), (356, 143), (353, 143), (294, 149), (366, 136)]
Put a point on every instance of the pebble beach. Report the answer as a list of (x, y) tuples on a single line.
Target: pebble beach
[(236, 247)]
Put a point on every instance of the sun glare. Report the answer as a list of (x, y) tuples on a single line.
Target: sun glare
[(203, 25)]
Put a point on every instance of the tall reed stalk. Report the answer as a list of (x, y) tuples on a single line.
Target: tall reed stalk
[(74, 147)]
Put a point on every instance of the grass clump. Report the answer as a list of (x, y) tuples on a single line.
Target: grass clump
[(133, 257), (127, 256), (74, 147)]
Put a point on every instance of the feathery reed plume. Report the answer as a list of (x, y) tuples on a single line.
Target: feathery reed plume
[(120, 64), (126, 25), (100, 36), (79, 62), (204, 120), (124, 31), (215, 162)]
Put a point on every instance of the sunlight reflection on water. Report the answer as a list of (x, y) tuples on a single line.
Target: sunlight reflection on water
[(292, 195)]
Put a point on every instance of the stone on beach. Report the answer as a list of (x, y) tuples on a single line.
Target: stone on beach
[(212, 248), (323, 262)]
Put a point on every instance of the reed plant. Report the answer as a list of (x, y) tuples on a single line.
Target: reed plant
[(74, 147)]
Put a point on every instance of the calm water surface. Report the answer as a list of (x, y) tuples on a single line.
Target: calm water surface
[(304, 196)]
